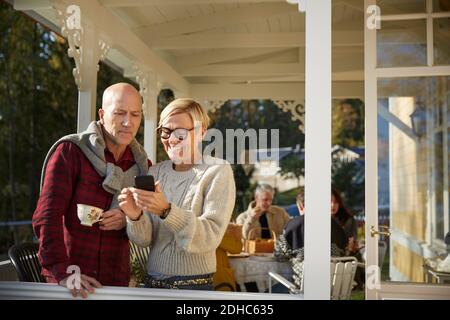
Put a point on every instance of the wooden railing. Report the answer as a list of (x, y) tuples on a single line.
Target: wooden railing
[(28, 290)]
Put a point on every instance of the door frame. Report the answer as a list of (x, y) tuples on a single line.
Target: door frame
[(375, 289)]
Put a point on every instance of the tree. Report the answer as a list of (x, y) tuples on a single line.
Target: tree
[(348, 123), (244, 188), (292, 167), (348, 178)]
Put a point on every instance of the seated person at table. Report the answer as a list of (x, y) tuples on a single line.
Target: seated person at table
[(342, 216), (345, 219), (290, 245), (292, 240), (296, 209), (262, 214), (223, 279)]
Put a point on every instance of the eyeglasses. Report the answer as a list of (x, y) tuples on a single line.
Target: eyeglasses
[(180, 133)]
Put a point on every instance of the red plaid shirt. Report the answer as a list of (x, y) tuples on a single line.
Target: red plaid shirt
[(70, 179)]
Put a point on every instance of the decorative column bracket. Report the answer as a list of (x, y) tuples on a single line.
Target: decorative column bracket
[(83, 45), (149, 87), (296, 108)]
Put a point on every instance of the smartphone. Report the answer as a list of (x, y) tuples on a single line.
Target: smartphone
[(145, 183)]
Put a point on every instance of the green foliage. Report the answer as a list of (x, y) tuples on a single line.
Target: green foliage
[(257, 114), (137, 272), (348, 123), (348, 178), (348, 131), (292, 167), (286, 198), (244, 188)]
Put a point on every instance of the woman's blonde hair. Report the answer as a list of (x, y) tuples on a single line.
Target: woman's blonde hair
[(186, 105)]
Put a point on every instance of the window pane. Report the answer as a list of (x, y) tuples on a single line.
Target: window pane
[(442, 41), (441, 5), (402, 43), (411, 173), (401, 6)]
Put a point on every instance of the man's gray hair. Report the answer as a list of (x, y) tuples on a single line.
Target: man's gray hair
[(264, 188)]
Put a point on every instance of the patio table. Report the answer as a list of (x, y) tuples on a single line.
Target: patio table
[(255, 269)]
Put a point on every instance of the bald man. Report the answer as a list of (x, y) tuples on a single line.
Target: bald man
[(91, 168)]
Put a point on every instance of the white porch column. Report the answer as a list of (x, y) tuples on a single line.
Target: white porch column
[(149, 88), (317, 148), (87, 50)]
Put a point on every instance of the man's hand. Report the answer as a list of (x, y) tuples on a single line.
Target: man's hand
[(113, 220), (256, 213), (87, 285)]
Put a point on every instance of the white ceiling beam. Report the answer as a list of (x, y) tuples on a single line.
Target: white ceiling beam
[(141, 3), (357, 75), (216, 20), (112, 30), (349, 76), (340, 90), (232, 40), (24, 5), (343, 64), (256, 69), (223, 55), (252, 40)]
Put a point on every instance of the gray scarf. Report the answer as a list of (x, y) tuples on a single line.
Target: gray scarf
[(92, 144)]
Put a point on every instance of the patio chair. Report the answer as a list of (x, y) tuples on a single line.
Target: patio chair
[(342, 273), (24, 257)]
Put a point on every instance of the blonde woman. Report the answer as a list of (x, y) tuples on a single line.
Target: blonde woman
[(185, 219)]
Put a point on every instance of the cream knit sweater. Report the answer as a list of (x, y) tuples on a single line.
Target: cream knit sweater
[(202, 201)]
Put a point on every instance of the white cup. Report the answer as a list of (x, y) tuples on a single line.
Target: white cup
[(89, 215)]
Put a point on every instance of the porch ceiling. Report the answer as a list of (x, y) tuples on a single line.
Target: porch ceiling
[(236, 45)]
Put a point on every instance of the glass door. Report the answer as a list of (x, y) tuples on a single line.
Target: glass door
[(407, 75)]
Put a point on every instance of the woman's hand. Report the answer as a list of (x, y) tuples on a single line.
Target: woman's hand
[(154, 202), (352, 246), (128, 205)]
